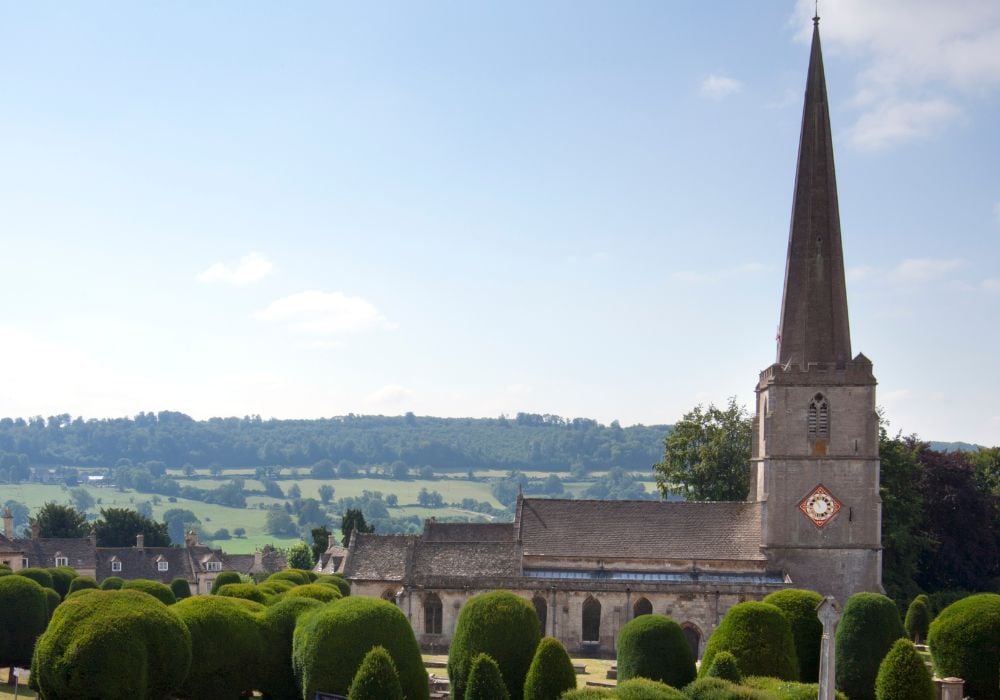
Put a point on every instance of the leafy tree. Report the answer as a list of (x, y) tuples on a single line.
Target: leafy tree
[(707, 455), (868, 628), (323, 469), (618, 485), (551, 672), (310, 511), (54, 520), (300, 556), (376, 678), (326, 493), (240, 532), (321, 541), (279, 523), (351, 521), (485, 682), (294, 492), (903, 540), (400, 471), (902, 675), (179, 521), (118, 527), (82, 499)]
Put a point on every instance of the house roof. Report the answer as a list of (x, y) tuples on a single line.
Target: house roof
[(378, 557), (467, 532), (332, 560), (143, 563), (465, 559), (640, 529), (79, 551)]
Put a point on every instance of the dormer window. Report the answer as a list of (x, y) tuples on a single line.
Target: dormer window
[(62, 561), (213, 566), (162, 565), (819, 418), (116, 565)]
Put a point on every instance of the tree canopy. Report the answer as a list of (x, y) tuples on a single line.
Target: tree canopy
[(54, 520), (118, 527)]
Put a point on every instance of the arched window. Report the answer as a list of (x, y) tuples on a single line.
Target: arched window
[(541, 609), (433, 611), (591, 620), (390, 595), (819, 417), (642, 607), (693, 636)]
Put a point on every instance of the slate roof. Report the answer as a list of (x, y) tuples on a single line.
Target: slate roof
[(332, 560), (640, 529), (467, 532), (465, 560), (143, 563), (43, 551), (7, 547), (378, 557)]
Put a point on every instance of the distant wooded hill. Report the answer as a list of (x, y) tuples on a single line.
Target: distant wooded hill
[(525, 442)]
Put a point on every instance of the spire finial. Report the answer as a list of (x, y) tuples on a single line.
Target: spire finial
[(816, 15)]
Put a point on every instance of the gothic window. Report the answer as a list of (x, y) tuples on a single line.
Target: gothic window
[(591, 620), (819, 417), (642, 607), (541, 609), (433, 611)]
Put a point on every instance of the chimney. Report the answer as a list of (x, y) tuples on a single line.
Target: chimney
[(35, 531), (258, 561), (190, 539), (8, 523), (140, 541)]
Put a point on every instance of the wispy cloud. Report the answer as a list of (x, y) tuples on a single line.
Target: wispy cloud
[(919, 270), (325, 313), (895, 121), (718, 86), (389, 395), (991, 285), (251, 268)]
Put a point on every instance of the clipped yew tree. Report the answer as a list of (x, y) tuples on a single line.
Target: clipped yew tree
[(902, 675), (53, 599), (160, 591), (180, 588), (485, 682), (62, 578), (81, 583), (724, 666), (646, 689), (654, 647), (112, 583), (918, 620), (965, 643), (316, 591), (279, 624), (499, 624), (330, 643), (224, 578), (246, 591), (228, 646), (335, 580), (40, 576), (116, 645), (867, 630), (376, 678), (24, 613), (759, 636), (799, 606), (297, 577), (551, 672)]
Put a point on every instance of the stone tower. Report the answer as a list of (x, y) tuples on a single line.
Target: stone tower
[(815, 464)]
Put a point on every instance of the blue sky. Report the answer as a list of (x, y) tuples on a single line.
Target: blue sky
[(466, 209)]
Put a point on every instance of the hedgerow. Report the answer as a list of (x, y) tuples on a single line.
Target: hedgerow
[(786, 690), (965, 643), (799, 607), (646, 689), (376, 678), (654, 647), (867, 630), (903, 675), (24, 613), (551, 672), (160, 591), (760, 637)]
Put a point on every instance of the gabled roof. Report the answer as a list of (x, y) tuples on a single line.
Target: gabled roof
[(467, 532), (378, 557), (433, 560), (79, 551), (143, 563)]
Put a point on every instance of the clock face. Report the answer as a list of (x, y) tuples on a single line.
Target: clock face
[(820, 506)]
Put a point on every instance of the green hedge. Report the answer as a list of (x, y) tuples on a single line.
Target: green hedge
[(646, 689), (24, 613), (112, 583), (654, 647), (296, 576), (223, 579), (786, 690), (62, 578), (80, 591), (903, 675), (799, 607), (330, 644), (160, 591), (228, 644), (116, 645), (180, 588), (918, 619), (376, 678), (53, 599), (588, 694), (760, 637), (867, 630), (279, 622), (551, 672), (335, 580), (707, 688), (81, 583), (485, 682), (316, 591), (40, 576), (246, 591), (965, 642), (724, 666), (276, 587), (499, 624)]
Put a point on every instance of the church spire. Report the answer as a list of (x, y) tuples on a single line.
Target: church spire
[(814, 324)]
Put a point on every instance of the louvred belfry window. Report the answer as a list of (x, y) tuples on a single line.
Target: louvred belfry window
[(819, 417)]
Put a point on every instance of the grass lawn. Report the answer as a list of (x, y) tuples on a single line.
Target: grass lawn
[(597, 669)]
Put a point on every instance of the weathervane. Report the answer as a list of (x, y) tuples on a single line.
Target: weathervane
[(816, 13)]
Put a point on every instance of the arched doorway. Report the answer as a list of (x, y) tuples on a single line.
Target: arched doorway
[(642, 607), (693, 636), (542, 610), (591, 620), (433, 612)]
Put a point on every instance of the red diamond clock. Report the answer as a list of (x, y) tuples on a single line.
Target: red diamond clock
[(820, 506)]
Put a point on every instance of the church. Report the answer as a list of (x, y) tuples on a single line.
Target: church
[(812, 518)]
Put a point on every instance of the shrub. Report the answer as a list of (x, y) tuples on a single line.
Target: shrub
[(160, 591), (279, 624), (296, 576), (246, 591), (224, 578), (53, 600), (654, 647), (316, 591), (81, 583), (588, 694), (336, 580), (40, 576), (501, 625), (551, 672), (24, 613), (123, 643), (485, 682), (760, 637), (903, 675), (62, 577), (717, 689), (965, 642), (275, 587), (785, 690), (112, 583), (869, 626), (80, 592), (180, 588), (376, 678), (646, 689), (724, 666), (799, 607), (329, 645), (918, 620), (223, 669)]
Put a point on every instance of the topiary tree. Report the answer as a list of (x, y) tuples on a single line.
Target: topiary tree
[(160, 591), (501, 625), (180, 588), (223, 671), (53, 600), (902, 675), (40, 576), (81, 583), (646, 689), (246, 591), (335, 580), (279, 627), (80, 591), (654, 647), (330, 643), (62, 578), (868, 628), (707, 688), (376, 678), (296, 576), (760, 637), (112, 583), (485, 682), (223, 579), (724, 666), (965, 642), (275, 587), (24, 613), (316, 591), (112, 644), (918, 620), (588, 694), (799, 607), (551, 672)]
